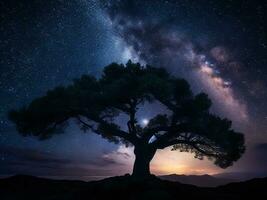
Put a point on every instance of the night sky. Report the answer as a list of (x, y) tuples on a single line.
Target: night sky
[(220, 47)]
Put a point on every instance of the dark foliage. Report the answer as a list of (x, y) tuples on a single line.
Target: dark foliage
[(95, 103)]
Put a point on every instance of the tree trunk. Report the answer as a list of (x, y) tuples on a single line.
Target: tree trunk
[(143, 156)]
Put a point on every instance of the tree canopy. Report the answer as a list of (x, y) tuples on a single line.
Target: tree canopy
[(95, 103)]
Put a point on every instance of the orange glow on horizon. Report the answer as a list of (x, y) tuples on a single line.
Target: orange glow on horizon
[(176, 162)]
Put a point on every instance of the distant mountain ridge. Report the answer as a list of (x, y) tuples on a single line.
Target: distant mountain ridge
[(241, 176), (198, 180)]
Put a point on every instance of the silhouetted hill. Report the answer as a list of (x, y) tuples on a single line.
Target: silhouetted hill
[(241, 176), (256, 185), (198, 180), (123, 187)]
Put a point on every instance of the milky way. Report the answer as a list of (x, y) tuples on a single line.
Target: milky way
[(161, 44)]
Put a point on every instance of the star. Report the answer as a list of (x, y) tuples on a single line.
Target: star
[(145, 122)]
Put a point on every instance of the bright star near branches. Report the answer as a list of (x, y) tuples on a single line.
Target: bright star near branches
[(145, 121)]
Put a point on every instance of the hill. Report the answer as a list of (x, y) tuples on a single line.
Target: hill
[(198, 180), (123, 187), (240, 176)]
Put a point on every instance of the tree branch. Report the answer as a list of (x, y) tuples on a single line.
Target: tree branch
[(190, 143), (117, 133), (132, 121)]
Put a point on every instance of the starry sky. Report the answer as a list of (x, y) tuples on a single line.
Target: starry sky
[(220, 47)]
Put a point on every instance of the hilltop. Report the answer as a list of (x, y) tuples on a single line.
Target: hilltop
[(123, 187)]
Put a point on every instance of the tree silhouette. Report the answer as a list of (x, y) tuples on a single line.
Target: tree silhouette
[(123, 89)]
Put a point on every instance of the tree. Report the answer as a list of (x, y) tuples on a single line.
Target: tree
[(95, 103)]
